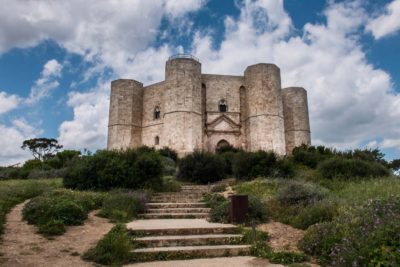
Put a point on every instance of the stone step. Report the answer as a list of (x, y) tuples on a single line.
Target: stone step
[(178, 210), (176, 200), (160, 253), (156, 205), (174, 215), (188, 240)]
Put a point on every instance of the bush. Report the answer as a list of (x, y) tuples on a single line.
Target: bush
[(262, 250), (228, 157), (113, 249), (351, 168), (322, 211), (68, 207), (366, 236), (52, 227), (248, 165), (170, 184), (297, 192), (218, 188), (220, 212), (311, 156), (169, 166), (169, 153), (123, 206), (105, 170), (257, 210), (201, 167), (13, 192), (227, 148)]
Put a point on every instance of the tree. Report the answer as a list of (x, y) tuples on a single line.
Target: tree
[(42, 148)]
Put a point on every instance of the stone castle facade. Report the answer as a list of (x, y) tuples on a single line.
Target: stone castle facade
[(194, 111)]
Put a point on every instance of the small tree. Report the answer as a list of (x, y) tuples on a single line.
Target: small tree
[(41, 148)]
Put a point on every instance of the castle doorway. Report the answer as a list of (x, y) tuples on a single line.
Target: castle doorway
[(222, 143)]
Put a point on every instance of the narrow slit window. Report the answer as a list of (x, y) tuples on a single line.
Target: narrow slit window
[(157, 140), (223, 107), (157, 113)]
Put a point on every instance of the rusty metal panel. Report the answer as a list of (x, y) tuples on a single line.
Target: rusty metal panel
[(239, 208)]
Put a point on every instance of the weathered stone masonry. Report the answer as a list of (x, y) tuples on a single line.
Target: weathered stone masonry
[(191, 110)]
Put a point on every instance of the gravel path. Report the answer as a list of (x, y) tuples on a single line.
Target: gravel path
[(21, 246)]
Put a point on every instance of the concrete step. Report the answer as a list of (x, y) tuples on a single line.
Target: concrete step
[(188, 240), (175, 215), (179, 210), (176, 200), (166, 205), (160, 253)]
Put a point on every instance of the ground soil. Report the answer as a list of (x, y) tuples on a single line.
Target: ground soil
[(282, 236), (22, 246)]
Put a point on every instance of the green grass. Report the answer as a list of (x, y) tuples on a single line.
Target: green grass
[(357, 193), (262, 188), (13, 192)]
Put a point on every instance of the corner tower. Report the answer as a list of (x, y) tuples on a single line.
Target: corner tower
[(183, 128), (264, 118), (297, 124), (125, 116)]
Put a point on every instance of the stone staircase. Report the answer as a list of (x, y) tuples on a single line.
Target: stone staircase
[(175, 227)]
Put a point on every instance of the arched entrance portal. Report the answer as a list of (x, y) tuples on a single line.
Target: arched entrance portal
[(222, 143)]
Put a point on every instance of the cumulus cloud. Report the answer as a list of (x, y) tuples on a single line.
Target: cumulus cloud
[(386, 23), (46, 83), (88, 129), (8, 102), (350, 100), (13, 136)]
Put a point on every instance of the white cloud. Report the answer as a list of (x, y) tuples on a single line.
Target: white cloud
[(8, 102), (386, 23), (88, 129), (13, 136), (350, 100), (46, 83), (178, 8)]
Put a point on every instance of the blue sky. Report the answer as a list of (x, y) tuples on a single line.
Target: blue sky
[(58, 58)]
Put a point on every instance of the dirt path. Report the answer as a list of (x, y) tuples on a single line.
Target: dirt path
[(22, 246), (282, 236)]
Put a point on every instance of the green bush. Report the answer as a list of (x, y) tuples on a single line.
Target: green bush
[(66, 206), (105, 170), (257, 211), (364, 236), (220, 212), (262, 250), (228, 157), (201, 167), (169, 153), (52, 227), (123, 206), (351, 169), (113, 249), (170, 184), (169, 166), (248, 165), (13, 192), (322, 211), (298, 192), (311, 156), (227, 148), (218, 188)]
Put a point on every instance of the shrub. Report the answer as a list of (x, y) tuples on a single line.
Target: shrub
[(123, 206), (227, 148), (169, 153), (13, 192), (52, 227), (170, 184), (351, 168), (104, 170), (201, 167), (228, 157), (311, 156), (169, 166), (264, 189), (322, 211), (363, 236), (257, 211), (68, 207), (218, 188), (297, 192), (113, 249), (248, 165), (220, 212)]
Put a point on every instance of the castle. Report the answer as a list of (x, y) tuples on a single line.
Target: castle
[(194, 111)]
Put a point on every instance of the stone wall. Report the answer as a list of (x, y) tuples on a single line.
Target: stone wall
[(260, 114), (297, 124)]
